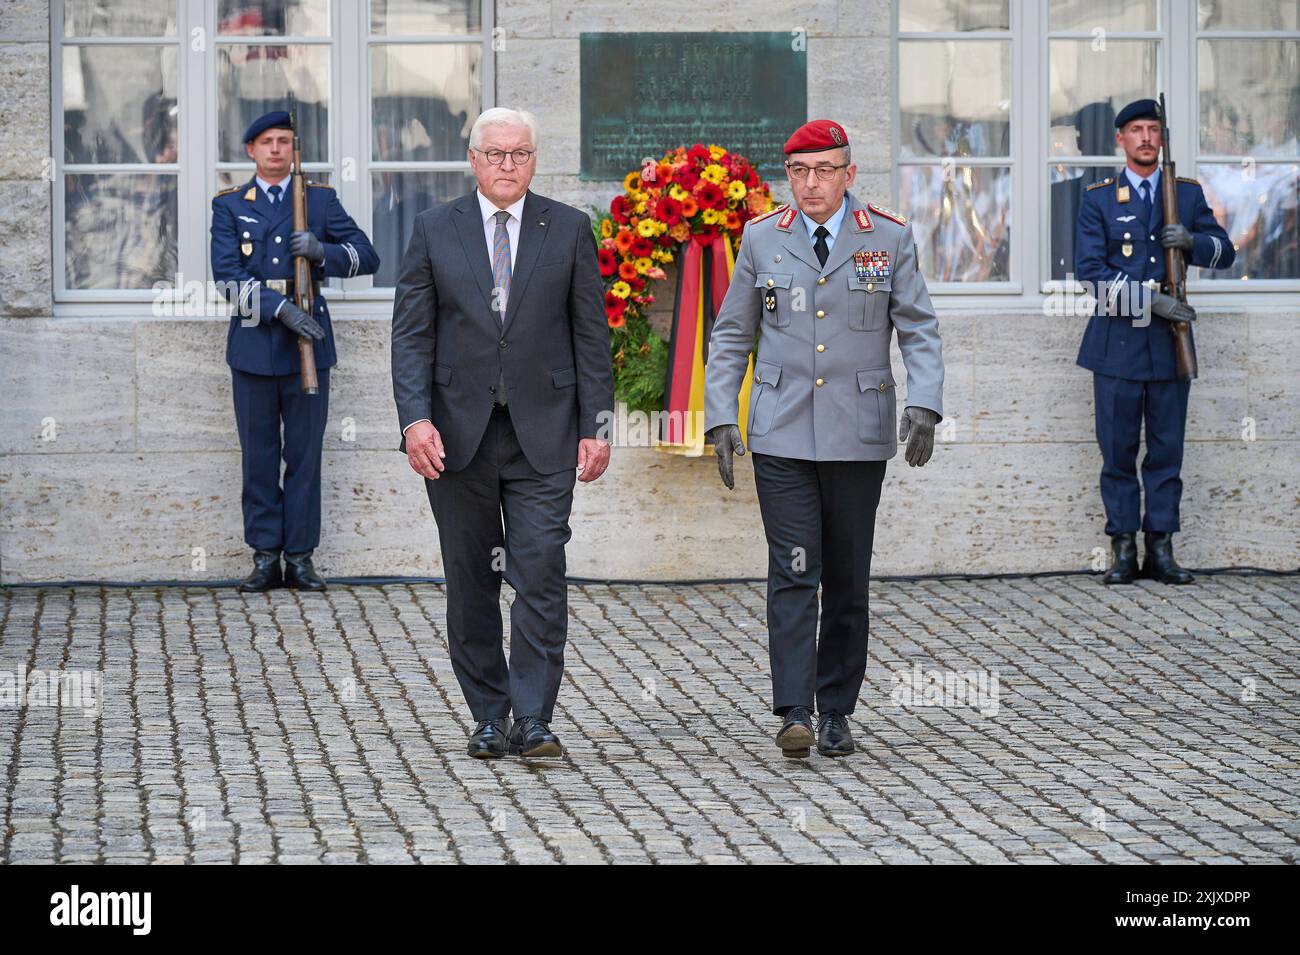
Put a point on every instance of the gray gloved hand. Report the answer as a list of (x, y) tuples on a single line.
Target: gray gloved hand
[(291, 316), (306, 244), (725, 439), (916, 427), (1166, 306), (1176, 236)]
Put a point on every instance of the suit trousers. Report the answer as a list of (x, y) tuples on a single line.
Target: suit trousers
[(499, 518), (1121, 407), (820, 520), (275, 518)]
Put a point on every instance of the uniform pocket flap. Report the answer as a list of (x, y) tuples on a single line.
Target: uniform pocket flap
[(773, 280), (442, 374), (564, 378), (875, 379), (766, 371), (869, 285)]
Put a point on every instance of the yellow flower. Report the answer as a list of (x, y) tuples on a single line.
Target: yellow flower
[(736, 190), (620, 289), (632, 181), (717, 152), (647, 228), (677, 192), (643, 265), (714, 173), (640, 208), (710, 216), (606, 228)]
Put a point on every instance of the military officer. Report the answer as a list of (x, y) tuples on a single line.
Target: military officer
[(1128, 345), (253, 245), (824, 283)]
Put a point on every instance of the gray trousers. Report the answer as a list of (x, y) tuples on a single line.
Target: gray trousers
[(820, 520), (498, 518)]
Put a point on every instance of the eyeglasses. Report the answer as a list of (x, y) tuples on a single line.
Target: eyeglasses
[(497, 156), (824, 172)]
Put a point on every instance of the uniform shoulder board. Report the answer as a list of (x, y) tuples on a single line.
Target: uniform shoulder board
[(887, 213), (1189, 180), (319, 185), (1098, 185), (766, 215), (226, 191)]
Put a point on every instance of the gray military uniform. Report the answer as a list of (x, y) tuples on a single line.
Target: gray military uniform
[(823, 389), (822, 415)]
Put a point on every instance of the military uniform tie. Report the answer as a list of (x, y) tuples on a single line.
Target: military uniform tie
[(820, 247)]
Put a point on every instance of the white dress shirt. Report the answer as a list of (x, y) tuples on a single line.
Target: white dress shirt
[(265, 186)]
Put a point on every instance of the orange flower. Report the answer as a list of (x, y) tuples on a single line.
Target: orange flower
[(623, 241), (733, 221), (680, 232), (627, 270), (689, 207)]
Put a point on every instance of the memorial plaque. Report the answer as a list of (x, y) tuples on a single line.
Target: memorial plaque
[(644, 93)]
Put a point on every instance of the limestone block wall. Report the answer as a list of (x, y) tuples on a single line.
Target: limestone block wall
[(141, 480)]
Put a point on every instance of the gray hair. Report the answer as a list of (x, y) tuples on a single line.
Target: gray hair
[(501, 116), (848, 155)]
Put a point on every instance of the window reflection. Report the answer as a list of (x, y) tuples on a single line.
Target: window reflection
[(961, 219), (1257, 204), (119, 230), (399, 198)]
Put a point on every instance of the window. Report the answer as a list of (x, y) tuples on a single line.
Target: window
[(155, 96), (1006, 114)]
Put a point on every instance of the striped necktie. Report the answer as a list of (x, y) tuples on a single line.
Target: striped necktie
[(501, 265)]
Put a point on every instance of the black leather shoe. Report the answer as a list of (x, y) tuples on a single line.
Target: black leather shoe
[(834, 738), (796, 736), (266, 573), (1124, 568), (531, 736), (300, 574), (491, 739), (1158, 562)]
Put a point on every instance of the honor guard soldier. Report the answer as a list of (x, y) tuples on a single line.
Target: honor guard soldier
[(824, 284), (1128, 345), (253, 246)]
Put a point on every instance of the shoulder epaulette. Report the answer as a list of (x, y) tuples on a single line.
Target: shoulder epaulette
[(887, 213), (226, 191), (1098, 185), (766, 215), (1189, 179)]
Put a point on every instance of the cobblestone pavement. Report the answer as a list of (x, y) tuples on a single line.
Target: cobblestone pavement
[(1092, 724)]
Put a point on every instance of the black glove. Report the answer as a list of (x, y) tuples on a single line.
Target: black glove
[(1176, 236), (916, 427), (306, 244), (725, 439), (1166, 306), (291, 316)]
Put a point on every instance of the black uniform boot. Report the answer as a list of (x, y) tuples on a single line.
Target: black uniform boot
[(266, 573), (1158, 562), (1125, 565), (300, 574)]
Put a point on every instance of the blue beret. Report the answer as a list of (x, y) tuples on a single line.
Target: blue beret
[(1138, 109), (278, 119)]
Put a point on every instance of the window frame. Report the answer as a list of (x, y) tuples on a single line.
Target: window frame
[(1177, 35), (349, 145)]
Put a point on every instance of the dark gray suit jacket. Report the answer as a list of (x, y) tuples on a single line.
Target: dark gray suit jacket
[(449, 348)]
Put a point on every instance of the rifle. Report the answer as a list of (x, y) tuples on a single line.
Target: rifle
[(1175, 264), (302, 291)]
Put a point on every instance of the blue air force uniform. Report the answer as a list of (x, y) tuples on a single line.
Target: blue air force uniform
[(251, 226), (1131, 351)]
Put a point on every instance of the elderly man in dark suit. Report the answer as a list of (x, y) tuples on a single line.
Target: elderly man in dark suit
[(501, 373)]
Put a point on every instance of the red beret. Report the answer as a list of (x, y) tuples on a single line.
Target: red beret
[(815, 136)]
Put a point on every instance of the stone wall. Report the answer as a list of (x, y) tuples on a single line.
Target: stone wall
[(142, 479)]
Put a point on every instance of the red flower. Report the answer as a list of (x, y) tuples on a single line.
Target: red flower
[(710, 196), (620, 210), (668, 210), (699, 153), (614, 309), (608, 263), (687, 179), (636, 281), (641, 247), (667, 241)]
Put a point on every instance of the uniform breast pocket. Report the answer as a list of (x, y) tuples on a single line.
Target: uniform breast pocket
[(774, 287), (868, 303), (876, 405), (252, 239), (765, 397)]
